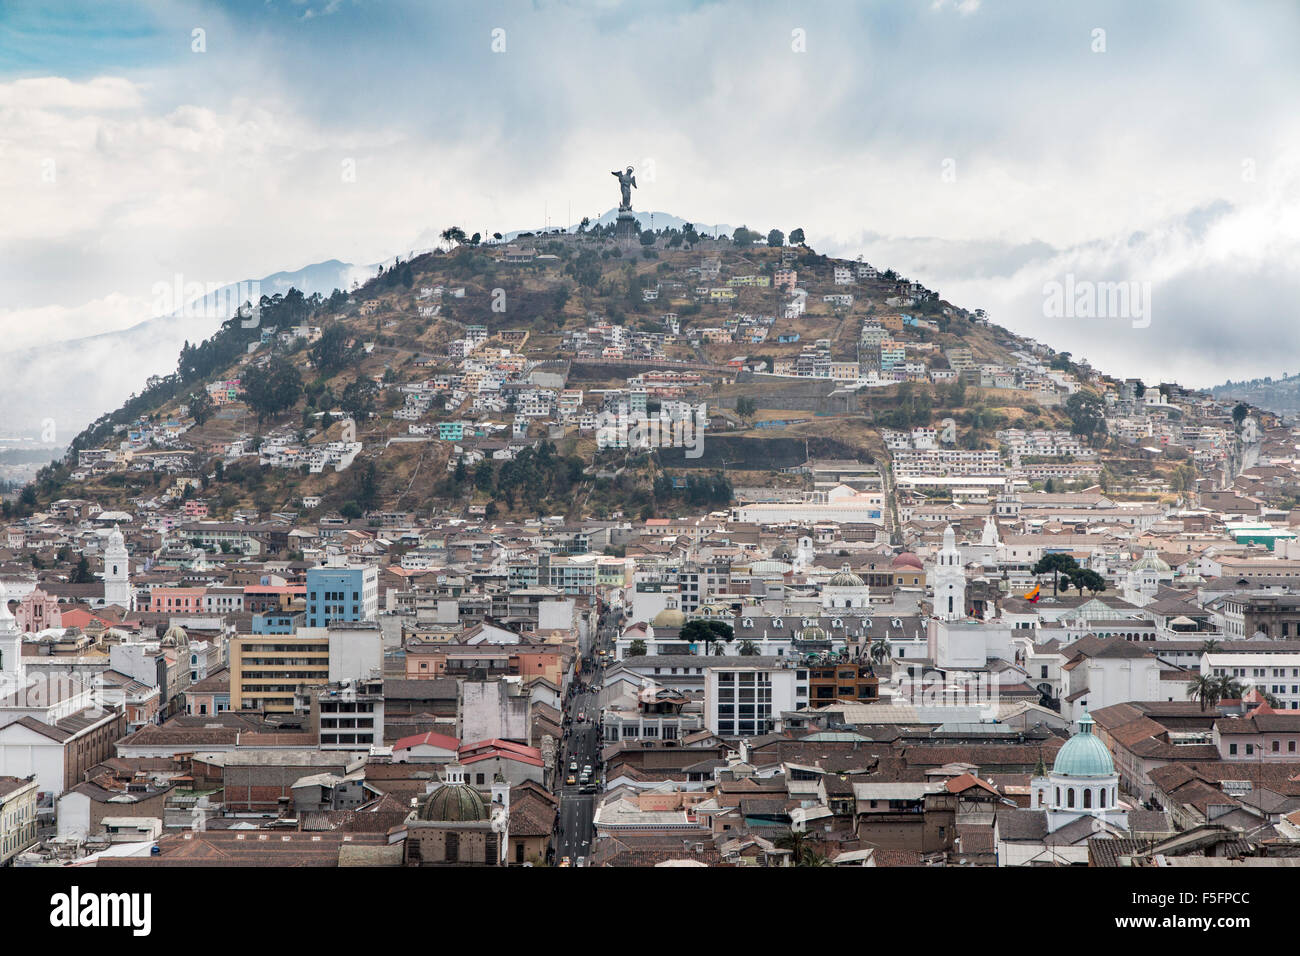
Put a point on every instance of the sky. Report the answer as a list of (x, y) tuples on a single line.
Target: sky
[(987, 148)]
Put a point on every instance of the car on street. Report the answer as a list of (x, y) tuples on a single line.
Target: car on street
[(566, 862), (570, 781), (581, 718), (573, 766)]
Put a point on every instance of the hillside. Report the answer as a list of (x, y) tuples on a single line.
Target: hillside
[(339, 397), (1278, 395)]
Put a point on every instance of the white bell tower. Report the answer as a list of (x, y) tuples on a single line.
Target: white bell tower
[(117, 572), (11, 647), (949, 580)]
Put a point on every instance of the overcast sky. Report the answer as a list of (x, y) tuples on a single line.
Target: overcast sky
[(986, 148)]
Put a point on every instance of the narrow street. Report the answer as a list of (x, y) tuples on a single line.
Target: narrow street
[(580, 751)]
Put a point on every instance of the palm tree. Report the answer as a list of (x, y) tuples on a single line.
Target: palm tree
[(1205, 689), (880, 651), (636, 648), (747, 649), (796, 841), (1210, 645), (1229, 689), (719, 647), (800, 845)]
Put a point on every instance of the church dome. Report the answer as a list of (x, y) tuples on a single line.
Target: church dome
[(175, 637), (668, 617), (907, 560), (1150, 561), (1084, 755), (454, 802), (844, 579)]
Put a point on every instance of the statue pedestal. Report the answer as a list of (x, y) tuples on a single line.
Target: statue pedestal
[(626, 227)]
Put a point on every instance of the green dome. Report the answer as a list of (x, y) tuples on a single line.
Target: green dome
[(454, 802), (1084, 755)]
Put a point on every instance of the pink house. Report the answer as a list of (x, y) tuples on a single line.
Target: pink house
[(37, 611), (1263, 735), (177, 600)]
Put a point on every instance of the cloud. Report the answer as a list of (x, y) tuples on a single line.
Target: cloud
[(981, 154)]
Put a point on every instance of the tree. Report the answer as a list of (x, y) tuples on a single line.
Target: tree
[(776, 238), (334, 349), (744, 237), (800, 845), (1239, 413), (1229, 689), (351, 510), (747, 649), (81, 574), (636, 648), (453, 235), (1210, 645), (796, 237), (273, 388), (746, 406), (1087, 414), (706, 633), (200, 406), (880, 651), (1055, 564), (1203, 688)]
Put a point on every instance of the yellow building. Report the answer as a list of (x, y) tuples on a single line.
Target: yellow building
[(266, 669)]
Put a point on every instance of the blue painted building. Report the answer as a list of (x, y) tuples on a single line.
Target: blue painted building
[(342, 593)]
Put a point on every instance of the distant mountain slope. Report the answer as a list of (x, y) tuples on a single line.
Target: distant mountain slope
[(72, 382), (1278, 395)]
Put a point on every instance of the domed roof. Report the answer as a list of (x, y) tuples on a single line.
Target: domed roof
[(844, 578), (668, 617), (1084, 755), (454, 802), (175, 637), (1150, 561), (907, 560), (812, 633)]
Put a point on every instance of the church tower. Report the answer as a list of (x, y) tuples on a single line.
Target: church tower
[(949, 580), (117, 573), (11, 647)]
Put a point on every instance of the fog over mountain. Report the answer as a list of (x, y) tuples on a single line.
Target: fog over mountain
[(72, 382)]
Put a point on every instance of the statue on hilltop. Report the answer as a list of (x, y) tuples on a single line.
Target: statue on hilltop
[(626, 183)]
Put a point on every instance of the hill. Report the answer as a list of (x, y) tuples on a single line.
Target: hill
[(436, 384), (1278, 395)]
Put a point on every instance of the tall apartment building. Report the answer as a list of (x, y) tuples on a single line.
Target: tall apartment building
[(342, 593)]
